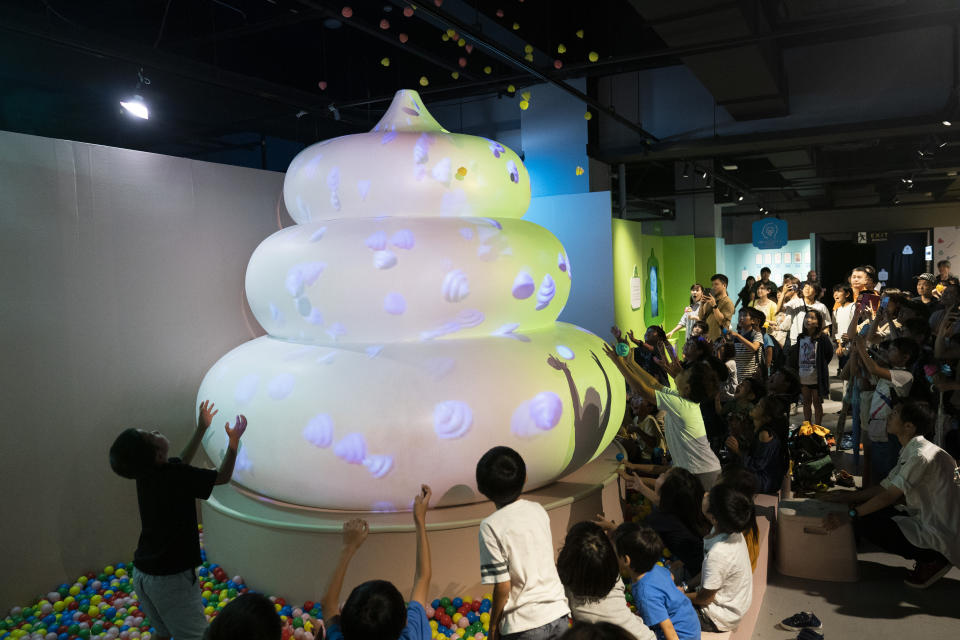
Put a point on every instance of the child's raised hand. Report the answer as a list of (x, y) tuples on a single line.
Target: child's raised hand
[(207, 412), (238, 428), (603, 523), (421, 503), (355, 532)]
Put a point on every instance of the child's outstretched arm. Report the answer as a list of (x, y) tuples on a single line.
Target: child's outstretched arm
[(666, 626), (421, 579), (226, 466), (203, 422), (354, 533)]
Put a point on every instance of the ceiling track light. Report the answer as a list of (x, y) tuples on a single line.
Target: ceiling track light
[(740, 197), (946, 123), (135, 104), (704, 174)]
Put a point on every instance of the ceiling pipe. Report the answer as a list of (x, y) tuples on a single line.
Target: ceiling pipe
[(494, 49)]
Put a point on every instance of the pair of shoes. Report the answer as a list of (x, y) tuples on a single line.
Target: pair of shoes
[(844, 479), (925, 574), (809, 634), (801, 621)]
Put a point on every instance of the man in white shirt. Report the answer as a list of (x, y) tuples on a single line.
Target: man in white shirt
[(796, 306)]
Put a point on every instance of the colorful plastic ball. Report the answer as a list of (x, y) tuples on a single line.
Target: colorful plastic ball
[(557, 64), (580, 33), (457, 602), (469, 48), (561, 48), (108, 570), (528, 57), (587, 116), (402, 37), (462, 62), (455, 74), (445, 37), (438, 2), (323, 85), (516, 26), (384, 24), (488, 70), (524, 105), (430, 611), (457, 617), (499, 13), (385, 62), (407, 12), (346, 12), (463, 623), (445, 602), (528, 48), (423, 81), (593, 56)]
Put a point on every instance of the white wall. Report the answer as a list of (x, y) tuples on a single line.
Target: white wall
[(122, 283)]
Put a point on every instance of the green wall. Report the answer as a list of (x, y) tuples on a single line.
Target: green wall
[(681, 261)]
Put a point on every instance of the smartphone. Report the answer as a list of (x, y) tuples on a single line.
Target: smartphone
[(883, 302)]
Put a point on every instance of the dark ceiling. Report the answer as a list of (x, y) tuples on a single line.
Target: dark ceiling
[(226, 74)]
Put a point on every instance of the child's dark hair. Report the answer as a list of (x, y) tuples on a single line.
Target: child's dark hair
[(702, 380), (587, 564), (722, 278), (596, 631), (819, 317), (907, 346), (757, 388), (744, 481), (131, 456), (730, 508), (374, 611), (777, 423), (658, 330), (642, 544), (501, 473), (681, 495), (249, 616), (759, 317), (694, 287), (847, 291), (726, 351), (918, 327), (817, 289), (703, 326), (919, 414)]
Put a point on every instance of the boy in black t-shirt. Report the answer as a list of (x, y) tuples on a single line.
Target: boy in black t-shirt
[(169, 548)]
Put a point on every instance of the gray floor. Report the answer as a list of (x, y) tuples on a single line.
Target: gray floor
[(878, 607)]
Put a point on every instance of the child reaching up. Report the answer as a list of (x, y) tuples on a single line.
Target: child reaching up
[(659, 602), (168, 552), (588, 568), (516, 554), (375, 609)]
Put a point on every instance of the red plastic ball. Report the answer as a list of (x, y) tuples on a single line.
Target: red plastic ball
[(73, 605), (407, 12), (346, 12), (281, 602), (475, 605)]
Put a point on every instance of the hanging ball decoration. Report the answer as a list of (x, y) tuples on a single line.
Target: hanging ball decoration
[(561, 48), (499, 13), (528, 48), (438, 2), (346, 12), (408, 12), (488, 70), (462, 62), (516, 26), (384, 24), (579, 170), (403, 38), (524, 105), (580, 33), (444, 37), (452, 33), (423, 81), (528, 57), (469, 48), (323, 85), (511, 88), (455, 75), (593, 56), (557, 64), (461, 42), (588, 115), (385, 62), (525, 95)]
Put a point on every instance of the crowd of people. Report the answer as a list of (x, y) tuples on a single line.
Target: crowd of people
[(706, 430)]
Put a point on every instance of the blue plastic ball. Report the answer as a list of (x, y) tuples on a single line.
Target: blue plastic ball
[(435, 603), (458, 602)]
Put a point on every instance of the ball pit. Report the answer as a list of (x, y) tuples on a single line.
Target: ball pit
[(103, 606)]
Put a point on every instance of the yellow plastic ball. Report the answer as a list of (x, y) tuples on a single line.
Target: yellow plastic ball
[(580, 33), (468, 599), (456, 617), (510, 89), (97, 599), (82, 579), (423, 81), (587, 115), (485, 617), (74, 590), (524, 105), (461, 631), (108, 569), (59, 606), (528, 57), (451, 33), (516, 25), (206, 594), (461, 42), (434, 624), (385, 62), (488, 70), (455, 75), (445, 37), (526, 96), (221, 604), (93, 611), (209, 611), (120, 573), (528, 48), (277, 607), (561, 48), (593, 56)]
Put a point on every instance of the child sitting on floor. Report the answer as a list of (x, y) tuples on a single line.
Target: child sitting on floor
[(660, 603), (516, 554), (725, 588), (375, 609), (766, 456), (589, 571)]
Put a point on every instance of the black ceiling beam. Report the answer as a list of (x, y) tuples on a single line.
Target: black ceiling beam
[(285, 20), (496, 51), (379, 34)]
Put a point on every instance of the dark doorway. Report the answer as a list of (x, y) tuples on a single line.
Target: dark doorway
[(837, 258)]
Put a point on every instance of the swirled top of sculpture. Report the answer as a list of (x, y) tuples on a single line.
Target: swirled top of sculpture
[(408, 165)]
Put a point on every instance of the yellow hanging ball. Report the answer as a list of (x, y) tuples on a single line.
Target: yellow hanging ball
[(579, 170), (528, 48), (385, 62), (593, 56), (451, 32), (510, 89), (525, 95), (461, 42), (524, 105), (445, 37), (423, 81), (488, 70), (528, 57), (587, 115), (561, 48), (580, 33), (516, 25), (455, 75)]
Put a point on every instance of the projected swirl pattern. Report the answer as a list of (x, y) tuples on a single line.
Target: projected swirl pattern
[(410, 313)]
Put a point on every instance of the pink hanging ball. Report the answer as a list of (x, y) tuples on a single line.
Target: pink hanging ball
[(323, 85), (557, 64), (438, 2), (469, 48), (408, 12), (403, 38), (462, 62), (384, 24), (499, 13), (346, 12)]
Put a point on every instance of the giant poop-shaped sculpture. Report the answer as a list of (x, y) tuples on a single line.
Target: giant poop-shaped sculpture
[(410, 313)]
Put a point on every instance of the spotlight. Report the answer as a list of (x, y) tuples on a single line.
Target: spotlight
[(940, 143), (907, 180), (946, 123), (136, 107), (740, 198), (896, 201), (730, 165), (704, 174)]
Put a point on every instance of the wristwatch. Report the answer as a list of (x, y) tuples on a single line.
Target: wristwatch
[(852, 513)]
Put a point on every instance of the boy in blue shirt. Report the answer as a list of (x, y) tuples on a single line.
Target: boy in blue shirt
[(375, 609), (661, 604)]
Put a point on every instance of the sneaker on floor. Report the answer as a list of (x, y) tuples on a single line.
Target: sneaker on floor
[(925, 574), (802, 620), (846, 442), (809, 634)]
